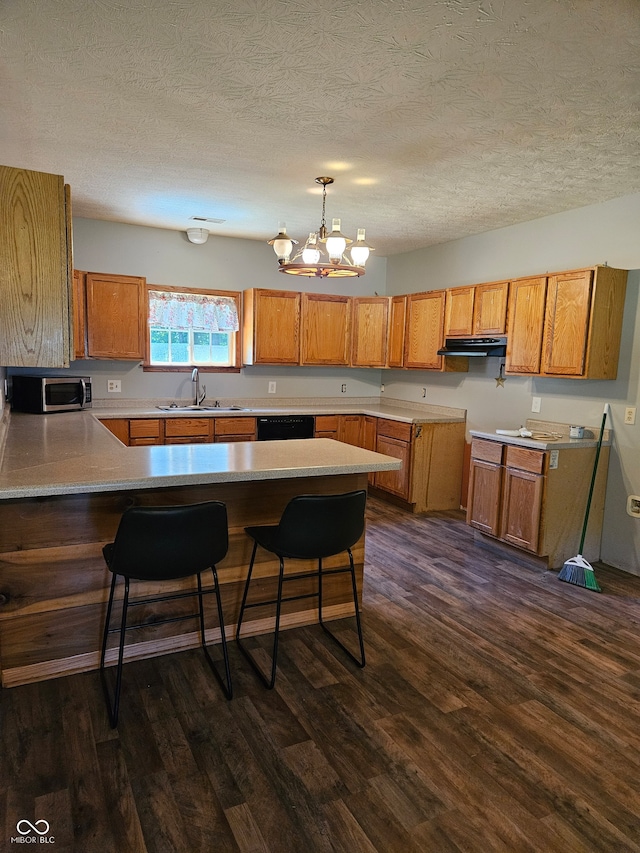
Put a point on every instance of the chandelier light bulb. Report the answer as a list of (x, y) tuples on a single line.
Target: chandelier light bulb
[(282, 244), (360, 251), (336, 242), (311, 252)]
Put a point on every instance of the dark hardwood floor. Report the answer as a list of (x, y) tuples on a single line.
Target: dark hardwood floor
[(499, 711)]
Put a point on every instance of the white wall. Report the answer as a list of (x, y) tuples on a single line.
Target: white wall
[(603, 233), (167, 257)]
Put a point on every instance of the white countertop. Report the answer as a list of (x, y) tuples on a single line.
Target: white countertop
[(547, 436), (406, 414), (72, 453)]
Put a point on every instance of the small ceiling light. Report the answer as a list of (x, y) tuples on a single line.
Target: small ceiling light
[(323, 254), (197, 235)]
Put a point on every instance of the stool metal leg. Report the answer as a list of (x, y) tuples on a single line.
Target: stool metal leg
[(114, 708), (268, 682), (361, 660), (225, 683)]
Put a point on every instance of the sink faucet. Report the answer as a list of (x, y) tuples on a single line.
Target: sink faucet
[(200, 395)]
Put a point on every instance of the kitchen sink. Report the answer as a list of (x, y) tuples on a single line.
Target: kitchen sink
[(194, 408)]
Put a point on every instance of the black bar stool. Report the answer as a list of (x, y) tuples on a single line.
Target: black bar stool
[(160, 544), (311, 527)]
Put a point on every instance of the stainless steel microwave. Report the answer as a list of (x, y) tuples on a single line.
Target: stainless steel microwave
[(43, 394)]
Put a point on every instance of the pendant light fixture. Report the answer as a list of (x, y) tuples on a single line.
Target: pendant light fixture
[(324, 255)]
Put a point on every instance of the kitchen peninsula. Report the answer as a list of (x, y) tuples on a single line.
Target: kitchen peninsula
[(64, 483)]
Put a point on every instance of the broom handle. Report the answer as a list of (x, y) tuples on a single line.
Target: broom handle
[(593, 479)]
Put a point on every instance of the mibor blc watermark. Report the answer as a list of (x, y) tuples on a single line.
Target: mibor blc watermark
[(33, 833)]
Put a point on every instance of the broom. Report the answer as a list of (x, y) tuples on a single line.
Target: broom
[(577, 570)]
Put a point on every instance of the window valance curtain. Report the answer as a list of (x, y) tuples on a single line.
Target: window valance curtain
[(193, 311)]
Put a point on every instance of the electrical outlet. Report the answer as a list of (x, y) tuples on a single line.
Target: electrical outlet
[(535, 404), (633, 506), (272, 387), (382, 388), (424, 392), (630, 415), (343, 387), (114, 386), (553, 458)]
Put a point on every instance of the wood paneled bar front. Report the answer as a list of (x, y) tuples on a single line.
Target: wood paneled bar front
[(61, 504)]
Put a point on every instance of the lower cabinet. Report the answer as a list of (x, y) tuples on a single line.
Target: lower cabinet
[(430, 477), (188, 430), (234, 429), (535, 500), (326, 426)]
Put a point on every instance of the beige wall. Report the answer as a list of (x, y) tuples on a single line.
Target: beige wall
[(604, 233)]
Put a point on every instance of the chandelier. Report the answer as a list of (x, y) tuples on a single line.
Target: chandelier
[(324, 255)]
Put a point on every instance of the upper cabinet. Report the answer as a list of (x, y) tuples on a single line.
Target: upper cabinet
[(458, 319), (490, 308), (271, 327), (526, 323), (116, 316), (35, 269), (397, 324), (370, 331), (567, 324), (326, 329), (424, 333)]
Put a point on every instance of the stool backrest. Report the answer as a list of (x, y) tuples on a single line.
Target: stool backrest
[(165, 542), (321, 525)]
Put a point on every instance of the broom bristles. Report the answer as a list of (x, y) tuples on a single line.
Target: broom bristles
[(579, 572)]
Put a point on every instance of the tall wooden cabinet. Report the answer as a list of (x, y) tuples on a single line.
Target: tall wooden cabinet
[(271, 327), (35, 269), (370, 331), (326, 329), (116, 316)]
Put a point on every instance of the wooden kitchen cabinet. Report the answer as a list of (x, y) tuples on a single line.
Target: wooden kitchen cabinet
[(490, 308), (370, 331), (326, 329), (116, 316), (535, 500), (188, 430), (234, 429), (394, 439), (35, 269), (458, 319), (505, 492), (583, 323), (397, 323), (79, 314), (350, 429), (485, 486), (146, 431), (527, 299), (326, 426), (424, 334), (568, 324), (271, 327), (430, 477)]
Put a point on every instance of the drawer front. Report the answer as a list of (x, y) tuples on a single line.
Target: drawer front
[(326, 423), (394, 429), (228, 438), (144, 428), (178, 427), (144, 441), (488, 451), (190, 439), (525, 460), (235, 426)]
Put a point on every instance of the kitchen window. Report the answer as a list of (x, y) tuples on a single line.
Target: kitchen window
[(188, 328)]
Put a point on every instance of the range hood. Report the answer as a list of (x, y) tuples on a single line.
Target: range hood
[(475, 347)]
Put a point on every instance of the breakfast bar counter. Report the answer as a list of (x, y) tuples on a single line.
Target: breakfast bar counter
[(64, 483)]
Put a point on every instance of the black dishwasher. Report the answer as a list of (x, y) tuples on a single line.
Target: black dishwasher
[(274, 427)]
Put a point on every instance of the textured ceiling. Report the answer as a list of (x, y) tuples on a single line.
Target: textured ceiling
[(437, 118)]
